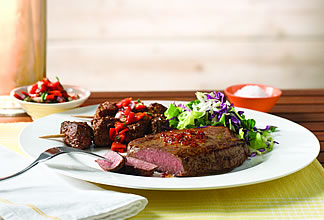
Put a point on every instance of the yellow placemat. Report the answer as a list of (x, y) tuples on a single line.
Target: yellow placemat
[(297, 196)]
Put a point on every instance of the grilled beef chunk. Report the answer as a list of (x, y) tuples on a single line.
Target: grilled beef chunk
[(114, 161), (101, 128), (138, 167), (156, 108), (191, 152), (159, 123), (77, 134), (106, 109), (104, 119), (137, 130)]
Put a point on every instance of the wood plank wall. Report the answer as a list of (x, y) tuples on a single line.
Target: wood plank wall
[(135, 45)]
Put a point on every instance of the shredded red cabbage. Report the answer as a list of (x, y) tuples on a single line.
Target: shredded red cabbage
[(214, 109)]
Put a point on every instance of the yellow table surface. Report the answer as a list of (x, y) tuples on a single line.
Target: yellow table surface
[(297, 196)]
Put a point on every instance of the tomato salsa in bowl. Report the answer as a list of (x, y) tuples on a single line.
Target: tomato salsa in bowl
[(45, 97)]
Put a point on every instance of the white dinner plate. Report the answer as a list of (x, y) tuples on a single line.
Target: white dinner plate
[(297, 148)]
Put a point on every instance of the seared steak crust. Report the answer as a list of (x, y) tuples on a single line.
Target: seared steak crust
[(198, 151), (77, 134), (157, 108), (101, 128), (106, 109), (159, 123), (137, 130)]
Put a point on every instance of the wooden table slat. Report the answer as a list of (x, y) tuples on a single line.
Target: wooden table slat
[(301, 100), (303, 92), (320, 158), (302, 117), (313, 126), (319, 135), (302, 108)]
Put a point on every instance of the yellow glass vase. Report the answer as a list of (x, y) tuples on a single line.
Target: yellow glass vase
[(22, 43)]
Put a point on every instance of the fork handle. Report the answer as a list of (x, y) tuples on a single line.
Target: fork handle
[(41, 158), (20, 172)]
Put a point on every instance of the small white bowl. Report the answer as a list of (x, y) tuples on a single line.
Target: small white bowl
[(39, 110)]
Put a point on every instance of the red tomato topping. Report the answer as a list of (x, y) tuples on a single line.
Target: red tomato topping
[(112, 133), (45, 91), (124, 102), (121, 148)]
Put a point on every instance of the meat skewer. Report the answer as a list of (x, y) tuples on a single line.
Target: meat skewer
[(114, 125), (75, 134), (83, 116), (53, 136)]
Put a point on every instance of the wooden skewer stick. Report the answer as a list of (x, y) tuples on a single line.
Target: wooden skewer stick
[(83, 116), (53, 136)]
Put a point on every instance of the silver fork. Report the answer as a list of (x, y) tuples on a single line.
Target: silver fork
[(49, 154)]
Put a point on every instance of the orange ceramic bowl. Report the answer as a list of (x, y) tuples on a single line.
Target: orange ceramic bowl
[(260, 104)]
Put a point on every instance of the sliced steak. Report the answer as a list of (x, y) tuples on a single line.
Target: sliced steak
[(114, 161), (191, 152), (138, 167), (77, 134), (106, 109)]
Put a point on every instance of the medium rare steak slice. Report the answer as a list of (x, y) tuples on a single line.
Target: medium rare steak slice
[(191, 152), (138, 167), (114, 161)]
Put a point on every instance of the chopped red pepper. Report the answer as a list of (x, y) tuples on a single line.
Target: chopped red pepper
[(120, 138), (127, 110), (42, 88), (112, 133), (121, 148), (50, 97), (51, 92), (55, 85), (55, 92), (18, 96), (24, 93), (140, 107), (119, 126), (33, 89), (124, 102), (140, 115), (118, 133), (123, 131), (130, 118)]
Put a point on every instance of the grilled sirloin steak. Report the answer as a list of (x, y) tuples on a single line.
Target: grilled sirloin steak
[(191, 152)]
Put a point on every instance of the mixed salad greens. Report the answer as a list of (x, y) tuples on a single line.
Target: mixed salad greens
[(213, 109)]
